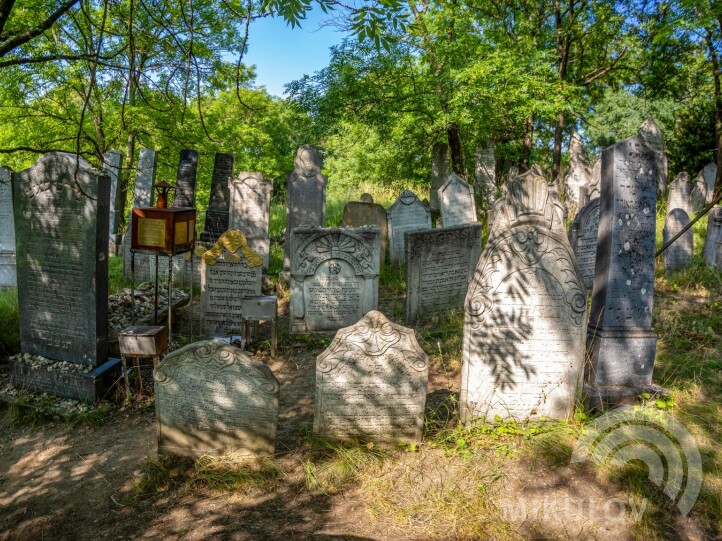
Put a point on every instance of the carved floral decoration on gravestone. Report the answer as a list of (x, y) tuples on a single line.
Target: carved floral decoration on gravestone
[(323, 246)]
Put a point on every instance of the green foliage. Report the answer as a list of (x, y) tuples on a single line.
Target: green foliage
[(9, 322)]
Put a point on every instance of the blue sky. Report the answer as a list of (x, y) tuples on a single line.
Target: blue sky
[(282, 54)]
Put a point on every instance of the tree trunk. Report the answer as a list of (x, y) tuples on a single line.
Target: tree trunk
[(526, 144), (717, 113), (456, 151), (557, 154)]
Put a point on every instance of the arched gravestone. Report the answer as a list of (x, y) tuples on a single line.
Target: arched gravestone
[(7, 231), (680, 253), (251, 209), (714, 226), (306, 196), (371, 383), (456, 199), (366, 212), (406, 214), (583, 240), (334, 277), (525, 312), (680, 194), (212, 398)]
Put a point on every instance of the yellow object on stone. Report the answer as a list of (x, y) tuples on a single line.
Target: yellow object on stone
[(230, 241)]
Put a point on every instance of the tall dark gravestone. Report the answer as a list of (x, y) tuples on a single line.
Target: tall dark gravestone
[(218, 207), (621, 342), (61, 223), (185, 187), (111, 165), (7, 231)]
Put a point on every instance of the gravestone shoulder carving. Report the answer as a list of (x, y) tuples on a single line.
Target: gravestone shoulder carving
[(406, 214), (456, 201)]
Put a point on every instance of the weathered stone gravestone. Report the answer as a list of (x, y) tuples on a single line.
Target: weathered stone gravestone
[(111, 165), (714, 227), (525, 313), (230, 272), (61, 209), (486, 173), (651, 135), (621, 342), (334, 277), (456, 200), (680, 194), (439, 172), (406, 214), (579, 176), (594, 186), (142, 197), (680, 253), (185, 185), (251, 209), (212, 398), (7, 231), (439, 266), (707, 175), (583, 240), (216, 222), (306, 196), (361, 213), (371, 383), (698, 195)]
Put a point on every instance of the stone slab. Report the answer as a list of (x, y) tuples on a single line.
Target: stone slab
[(406, 214), (708, 175), (251, 209), (360, 213), (714, 227), (8, 277), (456, 201), (217, 214), (680, 254), (142, 197), (111, 165), (185, 185), (583, 240)]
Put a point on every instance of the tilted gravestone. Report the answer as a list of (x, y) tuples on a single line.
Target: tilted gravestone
[(621, 342), (680, 194), (111, 165), (708, 175), (142, 197), (251, 209), (579, 176), (680, 253), (361, 213), (525, 313), (216, 222), (714, 227), (185, 185), (485, 173), (334, 277), (456, 201), (583, 240), (439, 266), (439, 171), (406, 214), (230, 272), (8, 276), (212, 398), (371, 383), (61, 209), (306, 196), (651, 135)]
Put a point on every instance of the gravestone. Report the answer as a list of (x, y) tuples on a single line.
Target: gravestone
[(456, 201), (111, 165), (698, 195), (680, 253), (579, 176), (486, 173), (594, 185), (8, 277), (366, 198), (680, 194), (439, 172), (406, 214), (583, 240), (226, 279), (306, 196), (212, 398), (371, 383), (216, 222), (621, 342), (361, 213), (185, 185), (525, 313), (61, 208), (651, 135), (142, 197), (439, 266), (714, 227), (334, 277), (708, 175), (250, 211)]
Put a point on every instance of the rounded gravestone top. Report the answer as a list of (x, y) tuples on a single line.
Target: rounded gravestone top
[(307, 161), (366, 198), (407, 197)]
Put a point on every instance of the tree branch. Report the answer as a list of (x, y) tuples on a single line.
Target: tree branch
[(9, 44)]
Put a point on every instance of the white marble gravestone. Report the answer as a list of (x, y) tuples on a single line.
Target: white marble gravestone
[(371, 383), (579, 176), (406, 214), (334, 277), (250, 211), (583, 240), (456, 201), (680, 253), (212, 398), (227, 279), (680, 194), (525, 313), (8, 276), (439, 266)]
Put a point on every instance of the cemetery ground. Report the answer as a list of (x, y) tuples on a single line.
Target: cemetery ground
[(95, 474)]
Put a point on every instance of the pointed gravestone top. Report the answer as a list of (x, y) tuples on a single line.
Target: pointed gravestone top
[(579, 176), (651, 134), (406, 214), (456, 200)]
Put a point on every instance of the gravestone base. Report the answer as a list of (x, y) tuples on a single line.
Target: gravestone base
[(89, 387), (600, 398), (623, 357), (8, 274)]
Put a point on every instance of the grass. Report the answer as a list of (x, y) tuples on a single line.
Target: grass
[(10, 322)]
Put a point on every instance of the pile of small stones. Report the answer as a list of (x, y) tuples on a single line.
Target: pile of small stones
[(38, 361), (62, 406), (120, 305)]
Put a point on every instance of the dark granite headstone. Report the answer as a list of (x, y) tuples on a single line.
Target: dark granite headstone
[(7, 231), (680, 253), (621, 341), (185, 186), (583, 240), (218, 207), (714, 227), (111, 165)]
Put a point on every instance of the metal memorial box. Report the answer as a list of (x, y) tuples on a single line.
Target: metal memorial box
[(166, 231)]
